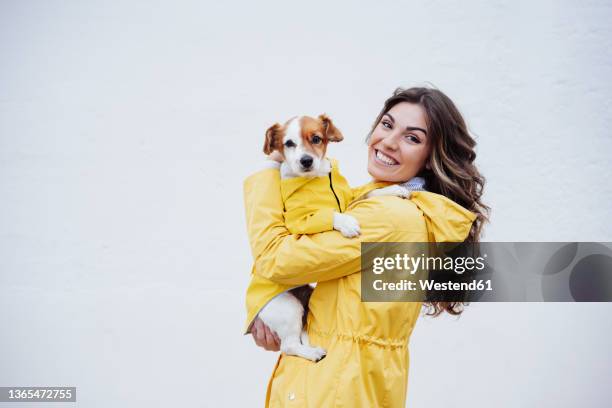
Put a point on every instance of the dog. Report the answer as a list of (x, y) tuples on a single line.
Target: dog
[(306, 172)]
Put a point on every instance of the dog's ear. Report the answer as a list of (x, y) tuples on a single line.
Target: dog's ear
[(272, 137), (331, 132)]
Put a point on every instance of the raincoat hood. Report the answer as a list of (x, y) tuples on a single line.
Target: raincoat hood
[(446, 220)]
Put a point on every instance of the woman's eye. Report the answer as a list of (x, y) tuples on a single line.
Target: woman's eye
[(413, 139), (386, 124), (289, 143), (316, 139)]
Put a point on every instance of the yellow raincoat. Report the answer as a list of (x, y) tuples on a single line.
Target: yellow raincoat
[(366, 342)]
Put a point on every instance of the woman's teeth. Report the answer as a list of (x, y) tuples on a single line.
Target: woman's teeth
[(385, 159)]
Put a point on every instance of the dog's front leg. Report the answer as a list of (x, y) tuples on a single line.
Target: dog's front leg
[(346, 224)]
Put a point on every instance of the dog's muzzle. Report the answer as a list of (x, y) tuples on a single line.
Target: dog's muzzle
[(306, 162)]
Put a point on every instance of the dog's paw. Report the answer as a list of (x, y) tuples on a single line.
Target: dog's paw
[(347, 225), (320, 353), (316, 354)]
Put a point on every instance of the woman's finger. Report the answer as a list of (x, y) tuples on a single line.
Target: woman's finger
[(272, 340), (258, 332), (255, 335), (275, 339), (269, 339)]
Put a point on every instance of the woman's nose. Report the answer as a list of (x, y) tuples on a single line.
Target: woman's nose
[(390, 141)]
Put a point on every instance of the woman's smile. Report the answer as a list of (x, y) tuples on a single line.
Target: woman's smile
[(385, 159)]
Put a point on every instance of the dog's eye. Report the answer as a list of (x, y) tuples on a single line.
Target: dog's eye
[(289, 143), (316, 139)]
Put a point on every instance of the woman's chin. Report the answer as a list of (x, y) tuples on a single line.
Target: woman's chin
[(379, 174)]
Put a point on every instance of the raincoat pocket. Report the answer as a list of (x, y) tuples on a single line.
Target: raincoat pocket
[(287, 384)]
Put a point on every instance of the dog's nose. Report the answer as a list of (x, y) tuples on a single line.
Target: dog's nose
[(306, 161)]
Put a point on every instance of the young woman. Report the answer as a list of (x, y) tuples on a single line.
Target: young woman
[(418, 136)]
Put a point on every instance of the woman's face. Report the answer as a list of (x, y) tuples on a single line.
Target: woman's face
[(399, 145)]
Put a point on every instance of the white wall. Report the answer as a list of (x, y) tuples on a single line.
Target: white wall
[(126, 130)]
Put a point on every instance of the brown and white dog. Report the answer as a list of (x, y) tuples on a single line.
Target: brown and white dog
[(302, 143)]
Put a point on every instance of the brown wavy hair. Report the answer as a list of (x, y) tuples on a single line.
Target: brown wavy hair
[(452, 170)]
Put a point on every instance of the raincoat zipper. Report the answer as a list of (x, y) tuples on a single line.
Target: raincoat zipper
[(333, 191)]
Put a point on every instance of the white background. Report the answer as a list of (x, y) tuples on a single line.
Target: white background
[(126, 129)]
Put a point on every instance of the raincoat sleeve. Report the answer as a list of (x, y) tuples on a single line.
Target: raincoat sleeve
[(316, 221), (300, 259)]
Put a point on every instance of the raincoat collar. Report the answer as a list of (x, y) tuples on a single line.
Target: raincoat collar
[(291, 185)]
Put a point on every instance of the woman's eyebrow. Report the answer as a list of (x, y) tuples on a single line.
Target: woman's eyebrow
[(407, 127), (416, 128)]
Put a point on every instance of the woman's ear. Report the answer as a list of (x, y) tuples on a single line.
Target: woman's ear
[(331, 132), (272, 137)]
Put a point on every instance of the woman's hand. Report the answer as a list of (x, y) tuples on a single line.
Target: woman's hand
[(264, 337)]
